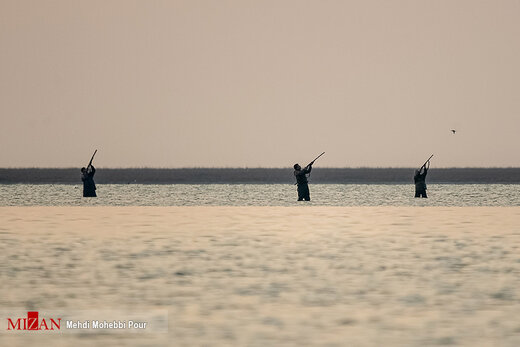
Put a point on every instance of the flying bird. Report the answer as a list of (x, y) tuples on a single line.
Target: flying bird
[(453, 131)]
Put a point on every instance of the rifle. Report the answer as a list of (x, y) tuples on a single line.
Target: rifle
[(426, 162), (90, 162), (312, 162)]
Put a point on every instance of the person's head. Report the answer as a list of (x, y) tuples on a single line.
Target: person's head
[(297, 167), (83, 169)]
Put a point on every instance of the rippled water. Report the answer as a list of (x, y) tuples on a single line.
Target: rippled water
[(260, 195), (268, 276)]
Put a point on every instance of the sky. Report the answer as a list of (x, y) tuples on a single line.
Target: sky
[(206, 83)]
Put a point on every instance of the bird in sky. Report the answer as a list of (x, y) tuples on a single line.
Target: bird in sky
[(453, 131)]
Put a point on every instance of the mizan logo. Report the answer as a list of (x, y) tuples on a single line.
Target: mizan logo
[(33, 322)]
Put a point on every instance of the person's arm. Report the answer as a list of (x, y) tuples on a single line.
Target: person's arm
[(92, 170), (308, 168)]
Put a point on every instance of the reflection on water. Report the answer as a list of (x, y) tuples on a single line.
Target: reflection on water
[(269, 276), (260, 195)]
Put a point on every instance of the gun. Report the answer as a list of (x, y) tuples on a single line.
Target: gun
[(312, 162), (90, 162), (426, 162)]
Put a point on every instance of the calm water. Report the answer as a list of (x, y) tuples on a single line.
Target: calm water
[(268, 276), (260, 195)]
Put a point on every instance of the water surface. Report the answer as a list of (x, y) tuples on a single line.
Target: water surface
[(259, 195)]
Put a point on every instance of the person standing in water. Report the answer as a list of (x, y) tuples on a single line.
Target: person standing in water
[(420, 180), (302, 181), (87, 176)]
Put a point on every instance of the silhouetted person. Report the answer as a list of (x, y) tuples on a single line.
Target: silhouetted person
[(301, 180), (420, 180), (87, 176)]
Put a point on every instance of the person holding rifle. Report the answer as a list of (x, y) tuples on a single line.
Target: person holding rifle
[(87, 176), (420, 179), (302, 181)]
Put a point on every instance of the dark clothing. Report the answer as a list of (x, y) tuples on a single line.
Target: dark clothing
[(89, 187), (303, 192), (420, 193), (301, 180), (420, 183)]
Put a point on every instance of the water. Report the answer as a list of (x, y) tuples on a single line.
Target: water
[(259, 195), (268, 276), (238, 270)]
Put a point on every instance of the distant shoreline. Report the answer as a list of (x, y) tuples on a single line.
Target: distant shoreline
[(258, 176)]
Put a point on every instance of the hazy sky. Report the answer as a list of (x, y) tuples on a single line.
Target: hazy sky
[(259, 83)]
